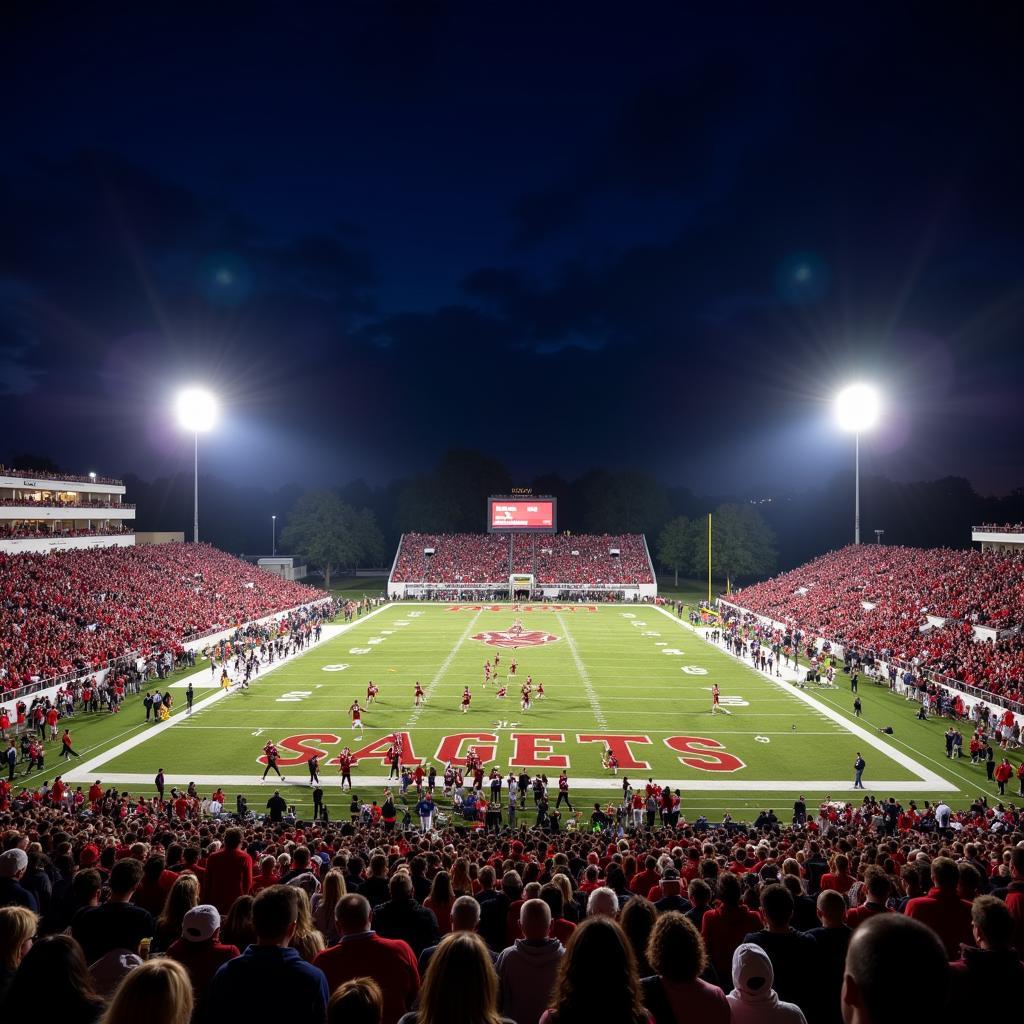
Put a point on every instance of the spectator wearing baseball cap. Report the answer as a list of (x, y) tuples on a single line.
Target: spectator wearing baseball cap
[(13, 863), (199, 950)]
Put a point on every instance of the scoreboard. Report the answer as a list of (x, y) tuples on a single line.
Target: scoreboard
[(521, 514)]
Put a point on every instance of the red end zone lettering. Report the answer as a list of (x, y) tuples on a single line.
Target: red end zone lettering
[(534, 750), (298, 746), (453, 748), (619, 746), (707, 760)]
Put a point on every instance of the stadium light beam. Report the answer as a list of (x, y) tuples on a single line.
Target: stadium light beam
[(857, 409), (197, 413)]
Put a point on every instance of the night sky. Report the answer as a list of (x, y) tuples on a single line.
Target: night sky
[(567, 235)]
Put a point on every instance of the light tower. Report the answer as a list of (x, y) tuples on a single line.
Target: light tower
[(857, 410), (197, 412)]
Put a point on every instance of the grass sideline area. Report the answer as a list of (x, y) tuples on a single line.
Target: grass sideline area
[(609, 670)]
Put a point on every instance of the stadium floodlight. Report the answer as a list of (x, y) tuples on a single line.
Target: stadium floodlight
[(92, 476), (273, 536), (197, 412), (857, 409)]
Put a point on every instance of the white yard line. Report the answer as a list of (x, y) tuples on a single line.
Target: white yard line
[(428, 692), (610, 782), (929, 779), (581, 670), (87, 771)]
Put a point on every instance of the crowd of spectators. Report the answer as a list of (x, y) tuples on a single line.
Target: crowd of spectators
[(909, 605), (574, 560), (1001, 528), (863, 913), (42, 474), (33, 529), (76, 611), (66, 502)]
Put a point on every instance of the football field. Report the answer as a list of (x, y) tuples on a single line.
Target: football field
[(635, 680)]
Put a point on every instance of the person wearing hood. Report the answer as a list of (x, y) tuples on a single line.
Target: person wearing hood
[(527, 970), (753, 1000)]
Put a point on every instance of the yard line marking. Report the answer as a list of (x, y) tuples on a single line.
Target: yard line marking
[(445, 665), (84, 772), (581, 670), (611, 782)]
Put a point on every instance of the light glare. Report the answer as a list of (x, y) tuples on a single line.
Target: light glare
[(196, 409), (858, 407)]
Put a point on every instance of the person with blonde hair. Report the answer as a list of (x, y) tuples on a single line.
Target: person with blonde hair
[(157, 992), (181, 898), (359, 1001), (306, 939), (460, 986), (17, 930), (324, 902)]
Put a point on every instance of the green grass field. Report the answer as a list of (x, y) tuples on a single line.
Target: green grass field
[(611, 671)]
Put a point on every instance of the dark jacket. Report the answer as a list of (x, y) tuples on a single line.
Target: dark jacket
[(407, 920), (268, 983)]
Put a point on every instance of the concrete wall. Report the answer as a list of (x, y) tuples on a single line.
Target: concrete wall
[(160, 538), (41, 545)]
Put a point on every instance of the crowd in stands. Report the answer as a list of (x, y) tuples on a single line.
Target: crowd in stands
[(75, 611), (1001, 528), (132, 909), (575, 560), (66, 503), (879, 598), (21, 529), (42, 474)]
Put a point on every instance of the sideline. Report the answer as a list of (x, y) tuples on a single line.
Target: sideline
[(929, 779)]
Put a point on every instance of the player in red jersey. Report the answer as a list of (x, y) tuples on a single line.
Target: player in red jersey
[(345, 768), (716, 704), (270, 753), (502, 691), (357, 716), (467, 697), (513, 666), (420, 696), (371, 692), (525, 702), (540, 690), (487, 672)]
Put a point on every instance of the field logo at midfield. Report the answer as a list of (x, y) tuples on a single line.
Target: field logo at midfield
[(515, 636)]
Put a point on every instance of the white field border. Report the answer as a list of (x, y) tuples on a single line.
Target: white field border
[(87, 772), (928, 780)]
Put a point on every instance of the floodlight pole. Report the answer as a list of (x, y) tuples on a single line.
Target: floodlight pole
[(195, 493), (856, 489), (273, 536)]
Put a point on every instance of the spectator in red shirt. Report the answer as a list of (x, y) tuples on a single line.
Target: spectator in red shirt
[(363, 953), (725, 925), (943, 910), (876, 882), (228, 872), (156, 883)]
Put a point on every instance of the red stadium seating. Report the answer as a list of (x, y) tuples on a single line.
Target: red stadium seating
[(571, 560), (76, 610), (879, 598)]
